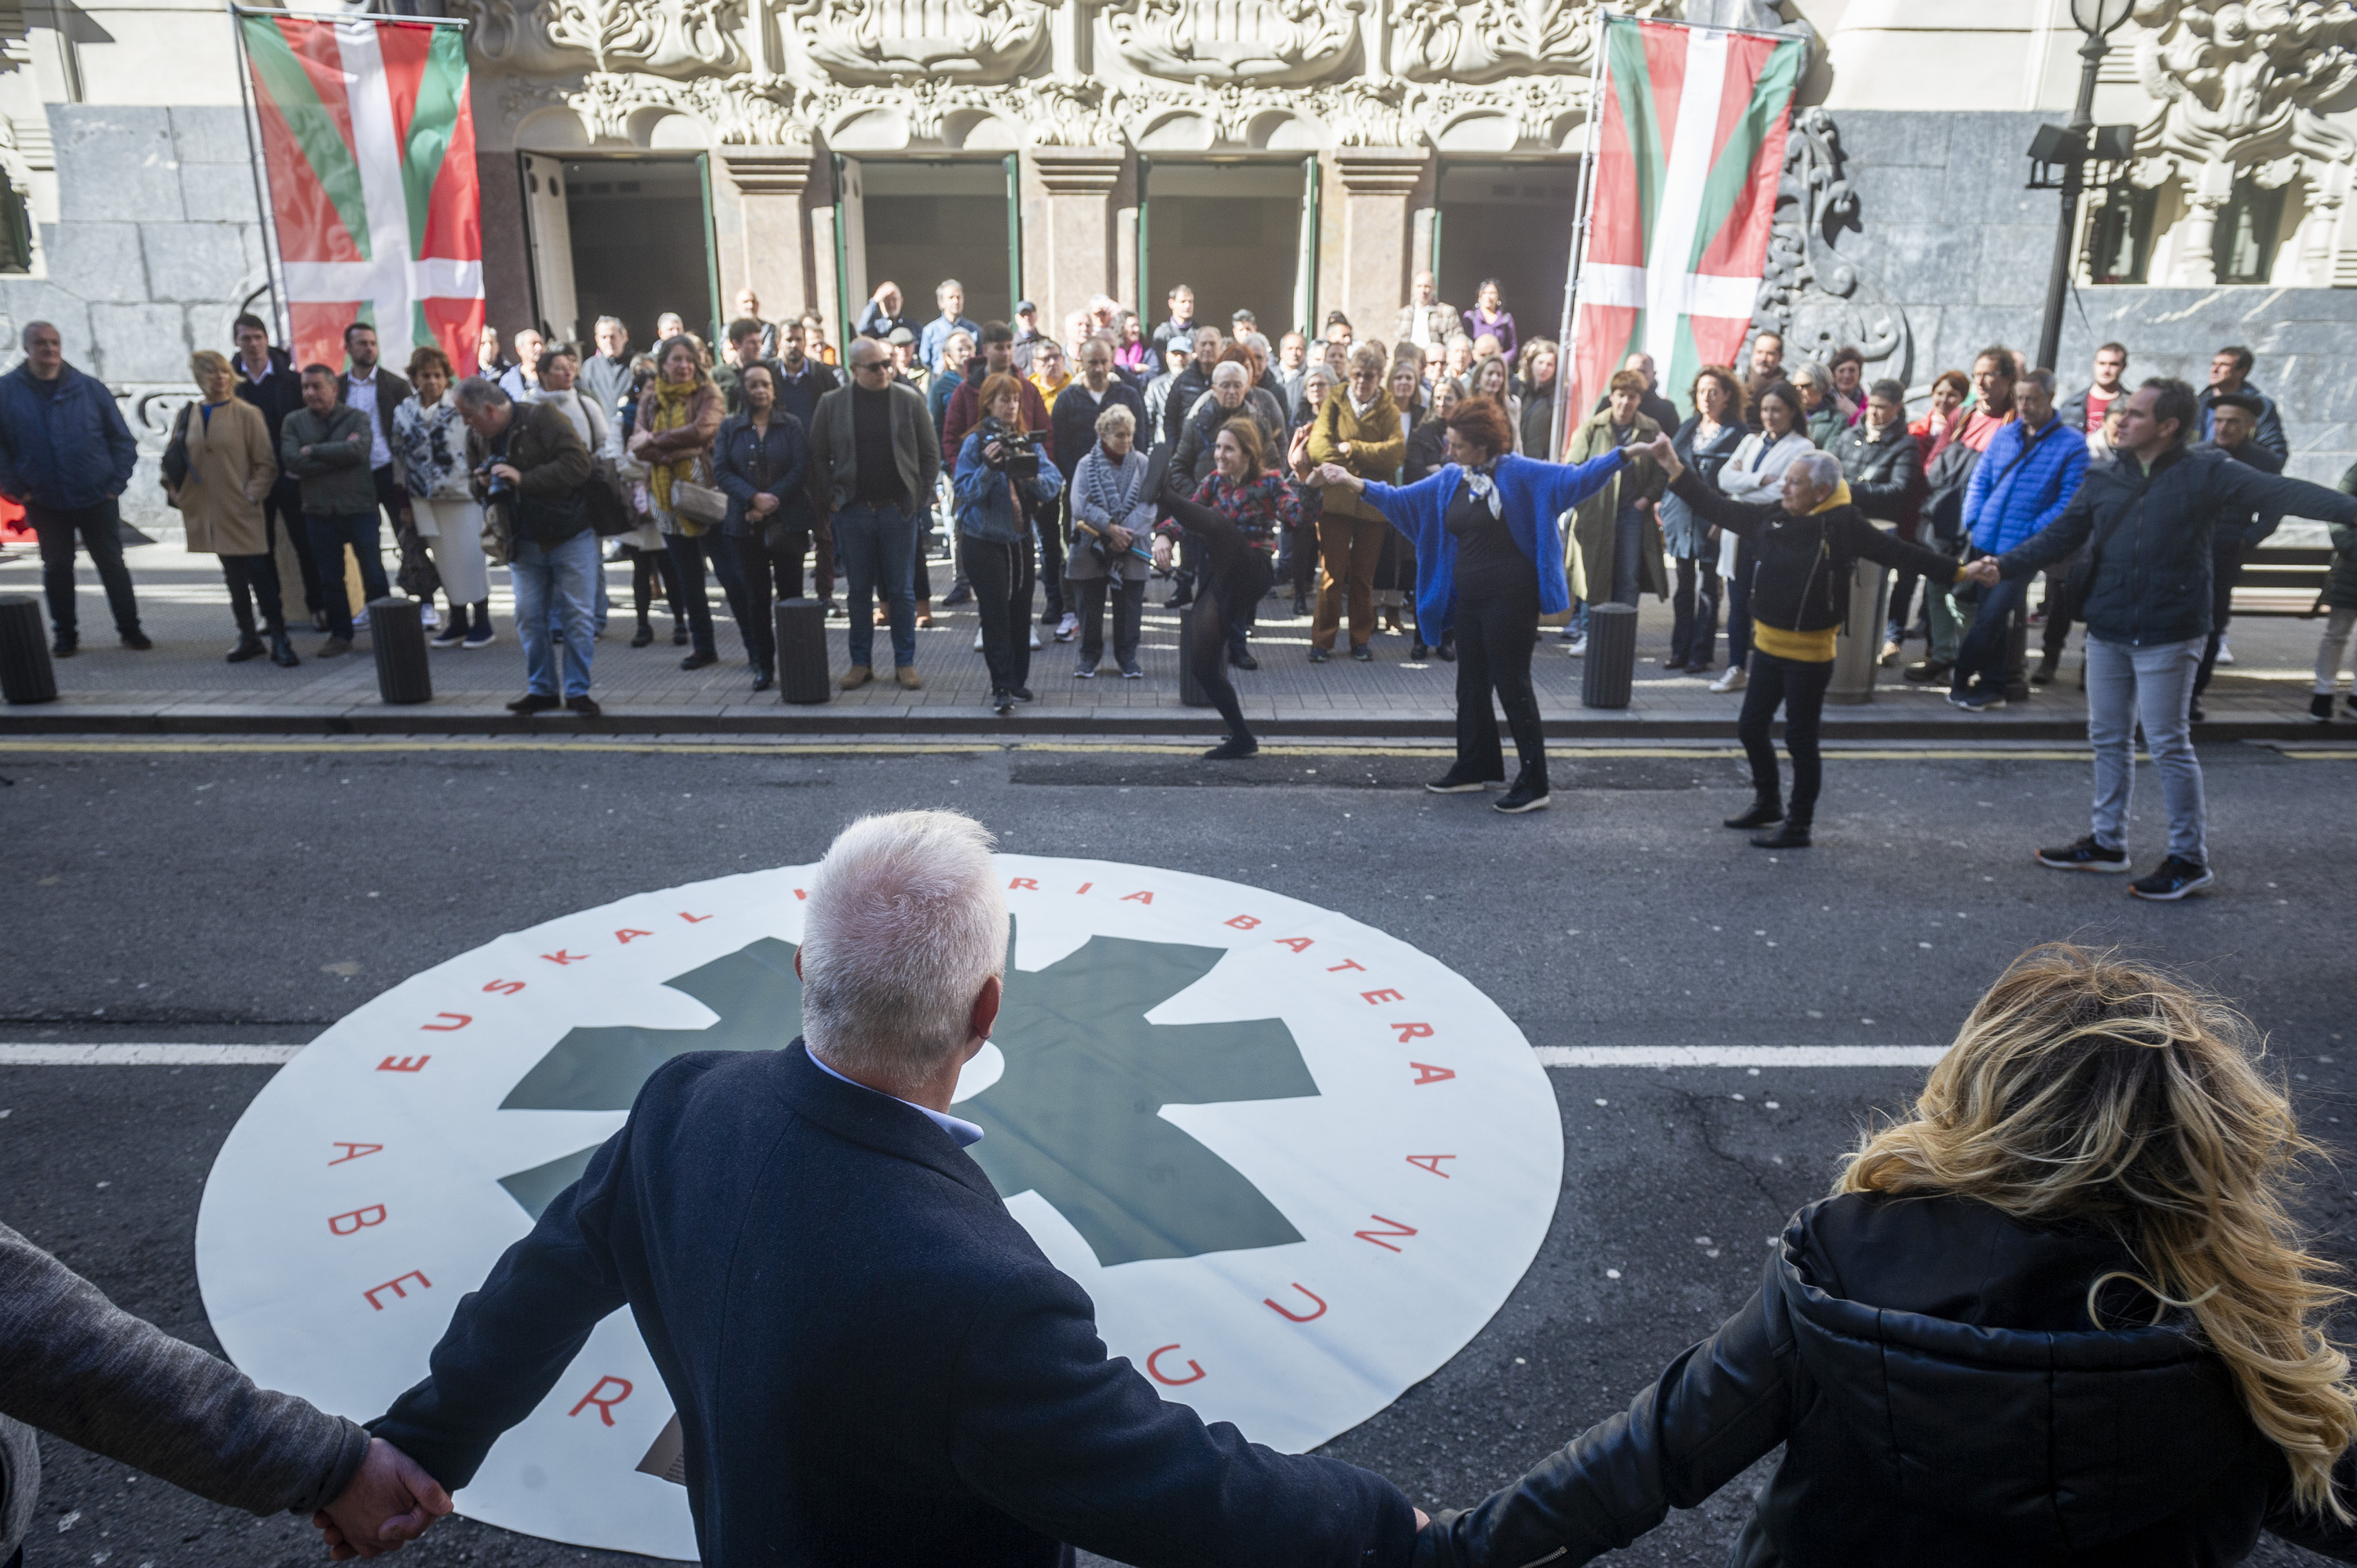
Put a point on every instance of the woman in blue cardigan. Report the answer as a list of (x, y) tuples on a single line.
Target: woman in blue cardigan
[(1488, 562)]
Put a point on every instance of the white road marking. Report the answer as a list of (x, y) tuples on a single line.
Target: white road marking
[(146, 1056), (1740, 1055)]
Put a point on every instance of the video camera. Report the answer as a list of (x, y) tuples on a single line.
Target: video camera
[(1018, 450)]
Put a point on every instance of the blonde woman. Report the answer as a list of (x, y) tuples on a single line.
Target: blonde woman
[(2060, 1316), (679, 417), (229, 468)]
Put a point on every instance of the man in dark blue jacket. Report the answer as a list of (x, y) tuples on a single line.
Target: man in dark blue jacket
[(2020, 485), (871, 1360), (65, 457), (2234, 428), (2146, 520)]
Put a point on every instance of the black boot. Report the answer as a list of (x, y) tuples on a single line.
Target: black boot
[(249, 646), (1794, 834), (645, 634), (282, 649), (1301, 605), (1765, 812)]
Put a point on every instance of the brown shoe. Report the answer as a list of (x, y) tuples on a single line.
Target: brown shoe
[(858, 675), (909, 678)]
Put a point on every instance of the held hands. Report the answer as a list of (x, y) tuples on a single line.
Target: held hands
[(1118, 537), (389, 1501), (1335, 474), (1985, 572), (1660, 450), (763, 504)]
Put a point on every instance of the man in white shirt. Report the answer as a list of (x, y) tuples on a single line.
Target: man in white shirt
[(375, 391)]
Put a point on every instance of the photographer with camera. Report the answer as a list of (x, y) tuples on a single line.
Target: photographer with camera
[(529, 467), (999, 471)]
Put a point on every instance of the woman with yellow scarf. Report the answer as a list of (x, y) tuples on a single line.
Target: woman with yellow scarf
[(678, 417)]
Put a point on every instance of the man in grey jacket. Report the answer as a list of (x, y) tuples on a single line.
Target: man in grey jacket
[(875, 455), (325, 444), (80, 1368)]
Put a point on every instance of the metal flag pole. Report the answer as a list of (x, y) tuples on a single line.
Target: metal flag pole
[(1567, 339), (272, 264)]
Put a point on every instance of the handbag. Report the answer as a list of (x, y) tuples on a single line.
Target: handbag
[(703, 504), (175, 457), (609, 514)]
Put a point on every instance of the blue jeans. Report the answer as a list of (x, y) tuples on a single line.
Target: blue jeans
[(329, 534), (2153, 684), (876, 548), (1987, 646), (554, 580)]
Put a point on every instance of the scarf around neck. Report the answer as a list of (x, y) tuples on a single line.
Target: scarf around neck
[(673, 403)]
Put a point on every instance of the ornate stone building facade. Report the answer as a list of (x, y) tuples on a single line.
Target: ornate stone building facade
[(1291, 156)]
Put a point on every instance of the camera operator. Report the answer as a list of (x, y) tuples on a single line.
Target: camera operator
[(999, 471), (529, 462)]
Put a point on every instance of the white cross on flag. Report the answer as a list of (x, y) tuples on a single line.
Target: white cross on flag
[(1689, 141)]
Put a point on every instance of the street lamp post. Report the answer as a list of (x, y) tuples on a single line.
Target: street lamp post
[(2098, 19)]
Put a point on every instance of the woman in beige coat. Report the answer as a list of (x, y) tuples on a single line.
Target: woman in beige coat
[(229, 468)]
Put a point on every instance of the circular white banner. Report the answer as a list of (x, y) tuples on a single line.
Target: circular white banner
[(1296, 1162)]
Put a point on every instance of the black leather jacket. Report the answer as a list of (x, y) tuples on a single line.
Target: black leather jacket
[(1929, 1365)]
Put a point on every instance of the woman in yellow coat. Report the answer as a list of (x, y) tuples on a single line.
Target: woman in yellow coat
[(219, 492)]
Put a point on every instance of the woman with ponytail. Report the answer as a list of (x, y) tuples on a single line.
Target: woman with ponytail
[(2061, 1314)]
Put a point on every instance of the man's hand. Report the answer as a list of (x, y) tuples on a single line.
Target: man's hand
[(355, 435), (1162, 551), (1985, 572), (389, 1501), (507, 471), (1660, 450)]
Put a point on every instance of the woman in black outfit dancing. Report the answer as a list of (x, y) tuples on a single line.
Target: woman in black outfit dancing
[(1230, 525)]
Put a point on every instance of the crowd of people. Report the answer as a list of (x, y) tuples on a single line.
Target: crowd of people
[(2061, 1310), (1325, 472)]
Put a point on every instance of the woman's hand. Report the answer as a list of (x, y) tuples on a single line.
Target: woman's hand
[(639, 441), (1118, 537), (1162, 552), (1330, 473)]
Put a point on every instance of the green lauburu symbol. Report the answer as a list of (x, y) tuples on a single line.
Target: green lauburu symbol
[(1076, 1116)]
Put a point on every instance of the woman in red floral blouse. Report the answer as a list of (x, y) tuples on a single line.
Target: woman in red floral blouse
[(1232, 521)]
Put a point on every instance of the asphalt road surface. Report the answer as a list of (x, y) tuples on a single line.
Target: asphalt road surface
[(256, 893)]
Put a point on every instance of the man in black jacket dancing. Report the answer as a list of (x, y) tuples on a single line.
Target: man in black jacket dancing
[(872, 1361), (2148, 520)]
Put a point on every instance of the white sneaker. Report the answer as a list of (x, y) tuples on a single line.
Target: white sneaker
[(359, 621), (1035, 636), (1067, 626), (1576, 646), (428, 618), (1735, 680), (977, 639), (2225, 654)]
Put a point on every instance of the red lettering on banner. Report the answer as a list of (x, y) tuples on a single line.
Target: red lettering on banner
[(404, 1064), (463, 1019), (1377, 1236), (1141, 898), (800, 894), (359, 1220), (1083, 888), (624, 937), (1244, 922), (393, 1285), (1346, 963), (356, 1152), (505, 987), (1298, 1316), (697, 919), (1431, 1163), (1298, 944), (1195, 1372), (1427, 1073), (562, 956), (1413, 1032), (605, 1406), (1377, 998), (1028, 883)]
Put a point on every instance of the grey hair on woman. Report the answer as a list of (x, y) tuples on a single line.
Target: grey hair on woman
[(907, 919), (1822, 469)]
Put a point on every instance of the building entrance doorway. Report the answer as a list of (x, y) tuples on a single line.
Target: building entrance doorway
[(625, 236), (920, 221), (1511, 221), (1243, 235)]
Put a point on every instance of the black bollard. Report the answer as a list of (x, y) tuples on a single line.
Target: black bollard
[(1190, 690), (26, 673), (1611, 656), (801, 652), (397, 633)]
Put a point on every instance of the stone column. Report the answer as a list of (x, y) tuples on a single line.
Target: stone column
[(1377, 185), (772, 254), (2196, 263), (1068, 240)]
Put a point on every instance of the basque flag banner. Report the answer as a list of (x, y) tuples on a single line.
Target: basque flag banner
[(369, 144), (1689, 143)]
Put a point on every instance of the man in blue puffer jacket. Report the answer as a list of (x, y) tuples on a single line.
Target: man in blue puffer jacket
[(2021, 484), (66, 456)]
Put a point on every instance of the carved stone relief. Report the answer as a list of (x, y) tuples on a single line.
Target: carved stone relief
[(878, 40), (683, 38), (1483, 40), (1270, 42), (1816, 298)]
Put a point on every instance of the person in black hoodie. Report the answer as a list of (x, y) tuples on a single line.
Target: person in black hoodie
[(2058, 1317), (1805, 548)]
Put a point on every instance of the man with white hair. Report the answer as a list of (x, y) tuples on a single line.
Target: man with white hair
[(1805, 547), (872, 1361), (1427, 321)]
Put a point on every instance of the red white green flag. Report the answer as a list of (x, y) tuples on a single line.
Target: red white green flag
[(1689, 142), (370, 146)]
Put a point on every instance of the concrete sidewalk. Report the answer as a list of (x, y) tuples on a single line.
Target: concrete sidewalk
[(184, 686)]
